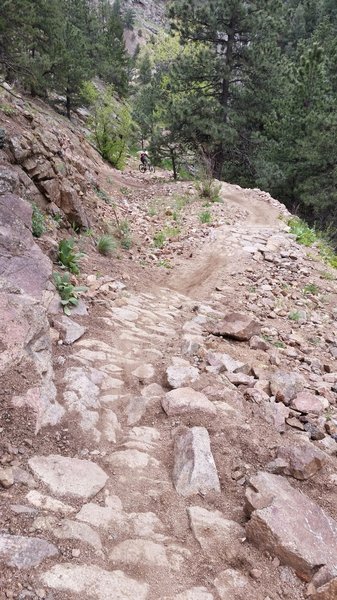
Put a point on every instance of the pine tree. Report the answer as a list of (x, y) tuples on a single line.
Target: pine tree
[(221, 68)]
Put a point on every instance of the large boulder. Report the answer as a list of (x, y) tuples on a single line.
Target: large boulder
[(288, 524), (21, 260)]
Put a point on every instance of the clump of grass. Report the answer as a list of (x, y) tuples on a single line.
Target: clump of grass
[(294, 315), (106, 245), (124, 234), (209, 189), (205, 216), (327, 275), (171, 232), (38, 222), (159, 239), (311, 288)]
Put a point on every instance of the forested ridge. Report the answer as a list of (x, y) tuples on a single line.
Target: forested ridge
[(247, 88)]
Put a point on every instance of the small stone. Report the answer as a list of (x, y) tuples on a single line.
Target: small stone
[(144, 372), (76, 553), (216, 535), (306, 402), (181, 375), (256, 574), (300, 462), (71, 331), (258, 343), (285, 386), (143, 553), (6, 477)]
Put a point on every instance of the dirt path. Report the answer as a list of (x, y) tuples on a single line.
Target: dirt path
[(114, 383), (129, 507)]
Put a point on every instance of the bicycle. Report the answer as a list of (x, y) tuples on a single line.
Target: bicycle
[(147, 167)]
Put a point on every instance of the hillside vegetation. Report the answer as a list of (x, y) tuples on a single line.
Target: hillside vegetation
[(247, 89)]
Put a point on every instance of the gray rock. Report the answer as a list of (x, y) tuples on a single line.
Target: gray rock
[(141, 553), (187, 401), (69, 476), (235, 325), (71, 331), (181, 374), (94, 582), (194, 467), (285, 386), (216, 535), (24, 552)]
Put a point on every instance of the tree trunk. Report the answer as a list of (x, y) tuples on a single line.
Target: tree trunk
[(219, 154), (174, 165), (68, 104)]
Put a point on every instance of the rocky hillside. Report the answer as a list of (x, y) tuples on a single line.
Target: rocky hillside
[(174, 438)]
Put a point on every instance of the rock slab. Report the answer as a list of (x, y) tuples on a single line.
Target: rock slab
[(24, 552), (194, 469), (187, 400), (94, 582), (216, 535), (290, 525), (69, 476)]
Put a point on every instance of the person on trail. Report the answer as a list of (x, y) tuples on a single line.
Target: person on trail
[(144, 158)]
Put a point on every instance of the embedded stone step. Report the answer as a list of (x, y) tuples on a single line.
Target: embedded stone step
[(194, 469)]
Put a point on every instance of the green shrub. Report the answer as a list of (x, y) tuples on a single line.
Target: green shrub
[(303, 233), (69, 293), (38, 222), (159, 239), (205, 217), (68, 257), (106, 245), (294, 316)]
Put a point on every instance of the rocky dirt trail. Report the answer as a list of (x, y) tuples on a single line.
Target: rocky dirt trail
[(177, 439)]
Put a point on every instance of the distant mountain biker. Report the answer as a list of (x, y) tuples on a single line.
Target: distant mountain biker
[(144, 158)]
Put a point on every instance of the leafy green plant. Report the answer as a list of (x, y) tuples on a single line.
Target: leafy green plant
[(159, 239), (69, 293), (311, 288), (106, 245), (38, 222), (205, 216), (68, 257), (302, 232), (58, 218)]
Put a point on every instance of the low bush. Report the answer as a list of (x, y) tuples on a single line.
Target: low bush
[(38, 222)]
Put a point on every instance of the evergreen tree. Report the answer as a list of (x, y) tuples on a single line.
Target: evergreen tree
[(222, 67)]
